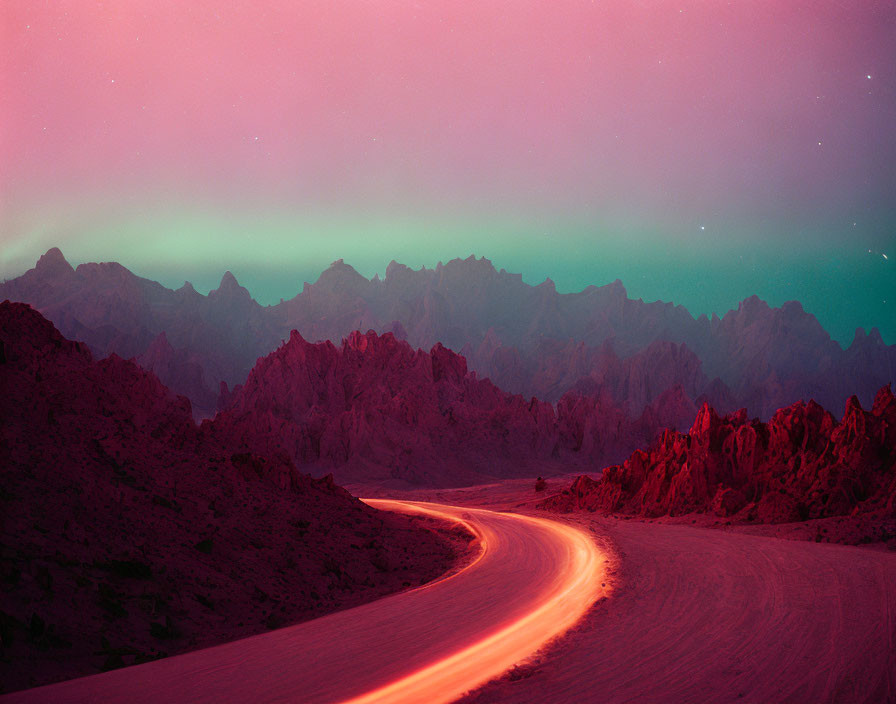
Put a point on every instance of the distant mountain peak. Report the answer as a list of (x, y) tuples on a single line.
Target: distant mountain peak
[(753, 302), (230, 288), (481, 261), (340, 276), (53, 262), (471, 263), (395, 269), (871, 339), (228, 281), (340, 265), (617, 288), (793, 309)]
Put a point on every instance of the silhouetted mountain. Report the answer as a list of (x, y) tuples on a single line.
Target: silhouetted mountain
[(127, 533), (114, 311), (528, 339)]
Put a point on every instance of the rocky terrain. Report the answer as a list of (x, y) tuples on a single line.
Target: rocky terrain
[(530, 340), (801, 465), (375, 409), (127, 534)]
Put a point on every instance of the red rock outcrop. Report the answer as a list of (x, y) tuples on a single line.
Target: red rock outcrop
[(800, 465), (127, 534)]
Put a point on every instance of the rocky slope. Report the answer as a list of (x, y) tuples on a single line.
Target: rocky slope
[(207, 339), (528, 339), (127, 534), (801, 465), (376, 410)]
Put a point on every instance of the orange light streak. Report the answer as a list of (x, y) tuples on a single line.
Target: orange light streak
[(567, 599)]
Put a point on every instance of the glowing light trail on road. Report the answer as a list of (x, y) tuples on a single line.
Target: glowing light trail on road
[(532, 580), (570, 595)]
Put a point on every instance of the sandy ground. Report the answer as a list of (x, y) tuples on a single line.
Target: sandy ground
[(707, 615)]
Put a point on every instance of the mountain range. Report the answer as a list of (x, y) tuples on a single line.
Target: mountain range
[(529, 340)]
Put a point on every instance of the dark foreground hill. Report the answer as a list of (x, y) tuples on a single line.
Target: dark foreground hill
[(127, 534)]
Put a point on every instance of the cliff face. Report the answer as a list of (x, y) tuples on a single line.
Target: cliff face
[(802, 464), (530, 340), (128, 534), (376, 409)]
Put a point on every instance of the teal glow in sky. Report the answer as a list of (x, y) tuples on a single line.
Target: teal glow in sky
[(699, 152)]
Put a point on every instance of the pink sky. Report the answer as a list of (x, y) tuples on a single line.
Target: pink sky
[(563, 139), (674, 106)]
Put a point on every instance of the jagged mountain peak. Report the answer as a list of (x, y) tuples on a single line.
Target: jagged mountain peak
[(617, 287), (870, 339), (396, 269), (792, 309), (53, 262), (231, 289), (753, 304), (228, 281), (339, 277)]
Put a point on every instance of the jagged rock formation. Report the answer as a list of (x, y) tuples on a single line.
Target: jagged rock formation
[(127, 533), (376, 409), (528, 339), (800, 465)]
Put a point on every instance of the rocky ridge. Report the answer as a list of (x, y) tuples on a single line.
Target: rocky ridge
[(802, 464), (374, 409)]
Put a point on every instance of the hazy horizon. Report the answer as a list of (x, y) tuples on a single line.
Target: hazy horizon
[(700, 152), (254, 280)]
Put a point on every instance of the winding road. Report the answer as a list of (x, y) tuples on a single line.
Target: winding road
[(533, 579), (706, 615)]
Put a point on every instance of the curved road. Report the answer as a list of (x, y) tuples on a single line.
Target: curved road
[(702, 615), (533, 579)]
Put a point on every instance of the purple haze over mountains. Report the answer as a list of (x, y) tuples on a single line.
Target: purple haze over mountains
[(527, 339)]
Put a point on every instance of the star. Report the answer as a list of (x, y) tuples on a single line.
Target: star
[(868, 76)]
